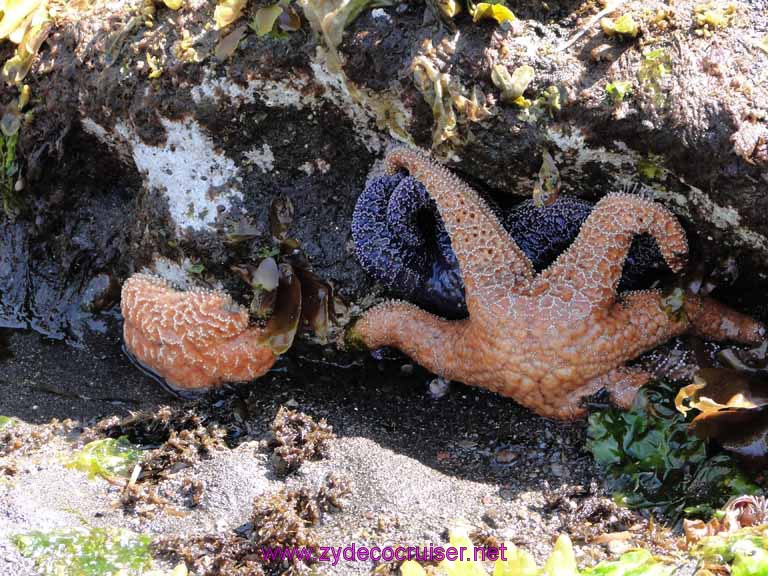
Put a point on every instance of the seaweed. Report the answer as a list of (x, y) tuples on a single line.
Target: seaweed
[(742, 553), (654, 67), (492, 10), (733, 410), (618, 90), (513, 85), (624, 27), (86, 551), (295, 438), (107, 457), (711, 16), (9, 169), (227, 12), (652, 461), (745, 551), (280, 519), (175, 438), (20, 438), (276, 20)]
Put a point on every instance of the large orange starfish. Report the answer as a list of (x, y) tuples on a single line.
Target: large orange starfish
[(199, 339), (546, 340)]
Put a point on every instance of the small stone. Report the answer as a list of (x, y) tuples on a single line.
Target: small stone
[(619, 547), (439, 387), (506, 455), (492, 518)]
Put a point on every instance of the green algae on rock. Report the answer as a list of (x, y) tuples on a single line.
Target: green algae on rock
[(624, 27), (618, 90)]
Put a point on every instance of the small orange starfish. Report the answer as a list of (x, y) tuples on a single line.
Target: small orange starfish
[(199, 339), (546, 340)]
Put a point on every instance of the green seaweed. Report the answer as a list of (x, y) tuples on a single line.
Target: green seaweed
[(624, 27), (106, 457), (712, 16), (331, 17), (656, 64), (276, 20), (9, 169), (6, 422), (562, 562), (742, 553), (549, 100), (617, 91), (746, 551), (653, 462), (634, 563), (87, 551), (651, 168)]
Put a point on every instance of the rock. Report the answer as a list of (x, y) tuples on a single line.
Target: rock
[(122, 169)]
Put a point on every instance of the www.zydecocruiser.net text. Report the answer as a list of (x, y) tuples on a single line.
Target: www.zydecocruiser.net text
[(354, 553)]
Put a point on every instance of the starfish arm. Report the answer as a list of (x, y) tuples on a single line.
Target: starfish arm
[(640, 322), (490, 260), (715, 321), (431, 341), (591, 268), (192, 339), (241, 359)]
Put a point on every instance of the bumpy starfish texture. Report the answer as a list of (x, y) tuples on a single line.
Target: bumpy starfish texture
[(193, 340), (549, 339), (401, 241)]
